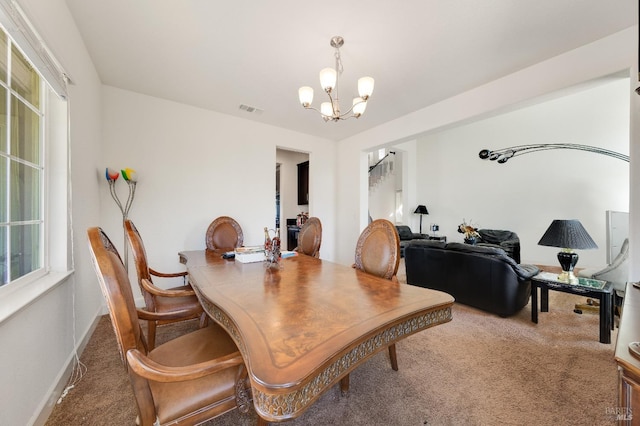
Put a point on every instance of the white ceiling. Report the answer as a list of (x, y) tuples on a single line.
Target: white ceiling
[(218, 55)]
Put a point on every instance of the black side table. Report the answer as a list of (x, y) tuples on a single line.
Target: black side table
[(601, 290)]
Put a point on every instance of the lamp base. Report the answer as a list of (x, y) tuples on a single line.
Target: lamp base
[(568, 277), (568, 260)]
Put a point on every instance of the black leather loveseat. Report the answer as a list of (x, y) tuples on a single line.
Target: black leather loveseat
[(482, 277), (506, 240), (406, 235)]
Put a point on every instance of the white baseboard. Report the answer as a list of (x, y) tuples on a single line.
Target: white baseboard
[(65, 373), (63, 377), (60, 384)]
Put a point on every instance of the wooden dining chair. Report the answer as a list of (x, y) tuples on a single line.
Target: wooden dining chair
[(187, 380), (310, 237), (378, 253), (224, 233), (378, 250), (176, 299)]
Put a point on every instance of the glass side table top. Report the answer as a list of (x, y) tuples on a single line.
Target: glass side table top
[(582, 282)]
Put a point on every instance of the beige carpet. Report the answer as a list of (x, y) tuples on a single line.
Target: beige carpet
[(479, 369)]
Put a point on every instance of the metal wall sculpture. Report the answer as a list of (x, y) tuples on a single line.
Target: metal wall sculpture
[(504, 154)]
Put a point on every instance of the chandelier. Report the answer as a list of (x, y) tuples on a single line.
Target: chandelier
[(329, 83)]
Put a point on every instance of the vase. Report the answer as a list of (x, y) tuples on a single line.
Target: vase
[(471, 241)]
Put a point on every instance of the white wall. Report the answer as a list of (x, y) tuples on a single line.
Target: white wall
[(195, 165), (528, 192), (38, 341), (603, 57)]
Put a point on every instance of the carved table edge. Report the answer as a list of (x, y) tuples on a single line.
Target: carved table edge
[(287, 405)]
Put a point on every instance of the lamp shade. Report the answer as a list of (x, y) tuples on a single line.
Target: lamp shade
[(305, 93), (359, 105), (421, 209), (326, 109), (568, 234), (365, 87), (328, 78)]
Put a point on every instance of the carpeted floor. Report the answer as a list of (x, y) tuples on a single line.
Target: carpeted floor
[(479, 369)]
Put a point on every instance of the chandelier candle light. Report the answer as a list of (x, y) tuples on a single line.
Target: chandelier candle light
[(131, 177), (329, 82)]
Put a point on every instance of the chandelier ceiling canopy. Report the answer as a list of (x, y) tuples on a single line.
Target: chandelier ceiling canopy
[(329, 79)]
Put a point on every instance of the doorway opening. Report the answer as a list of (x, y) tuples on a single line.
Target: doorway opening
[(386, 193), (292, 192)]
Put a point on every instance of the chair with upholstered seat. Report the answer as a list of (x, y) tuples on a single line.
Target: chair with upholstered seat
[(187, 380), (224, 233), (310, 237), (378, 253), (174, 300)]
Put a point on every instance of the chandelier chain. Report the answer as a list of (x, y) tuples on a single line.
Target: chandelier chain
[(338, 61)]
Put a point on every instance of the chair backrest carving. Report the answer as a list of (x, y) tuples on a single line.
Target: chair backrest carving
[(310, 237), (224, 233), (378, 249), (116, 288)]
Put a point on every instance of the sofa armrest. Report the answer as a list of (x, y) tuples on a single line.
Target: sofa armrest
[(427, 243), (404, 232), (526, 272), (510, 243), (511, 247)]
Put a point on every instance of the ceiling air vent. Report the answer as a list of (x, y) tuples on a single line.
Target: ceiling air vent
[(250, 109)]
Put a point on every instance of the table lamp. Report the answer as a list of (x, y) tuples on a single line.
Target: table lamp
[(568, 235), (421, 209)]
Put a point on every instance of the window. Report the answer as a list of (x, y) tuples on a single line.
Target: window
[(21, 165)]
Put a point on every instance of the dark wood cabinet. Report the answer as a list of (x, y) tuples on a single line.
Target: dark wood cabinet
[(303, 183)]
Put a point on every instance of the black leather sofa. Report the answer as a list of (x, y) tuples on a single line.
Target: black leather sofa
[(506, 240), (406, 236), (482, 277)]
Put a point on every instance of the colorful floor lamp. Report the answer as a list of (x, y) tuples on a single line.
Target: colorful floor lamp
[(131, 177)]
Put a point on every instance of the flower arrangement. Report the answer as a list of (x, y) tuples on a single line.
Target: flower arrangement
[(469, 231)]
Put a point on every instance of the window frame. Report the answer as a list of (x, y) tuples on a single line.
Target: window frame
[(23, 107), (55, 191)]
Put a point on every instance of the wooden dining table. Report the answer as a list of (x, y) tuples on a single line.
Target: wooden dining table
[(305, 326)]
